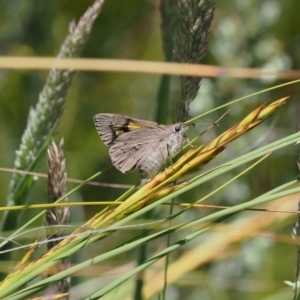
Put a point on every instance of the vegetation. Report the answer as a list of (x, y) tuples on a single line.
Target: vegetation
[(216, 223)]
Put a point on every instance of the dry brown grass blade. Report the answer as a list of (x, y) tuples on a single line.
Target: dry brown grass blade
[(135, 66)]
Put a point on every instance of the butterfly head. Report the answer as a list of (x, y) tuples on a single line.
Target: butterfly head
[(180, 128)]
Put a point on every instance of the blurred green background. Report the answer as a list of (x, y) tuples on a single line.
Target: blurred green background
[(258, 34)]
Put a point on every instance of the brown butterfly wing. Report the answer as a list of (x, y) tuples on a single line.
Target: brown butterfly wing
[(129, 149), (105, 124), (111, 126), (129, 140)]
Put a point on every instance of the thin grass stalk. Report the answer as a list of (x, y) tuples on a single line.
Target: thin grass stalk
[(188, 32), (295, 234), (168, 12), (43, 119), (194, 224), (35, 267), (274, 194), (59, 215)]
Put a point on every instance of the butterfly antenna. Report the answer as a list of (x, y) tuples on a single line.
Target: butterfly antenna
[(216, 123)]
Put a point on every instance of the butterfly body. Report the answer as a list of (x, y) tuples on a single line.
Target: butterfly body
[(139, 144)]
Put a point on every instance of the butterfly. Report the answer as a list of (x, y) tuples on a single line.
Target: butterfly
[(139, 144)]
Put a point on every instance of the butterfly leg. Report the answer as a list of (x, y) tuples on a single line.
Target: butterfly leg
[(187, 141)]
